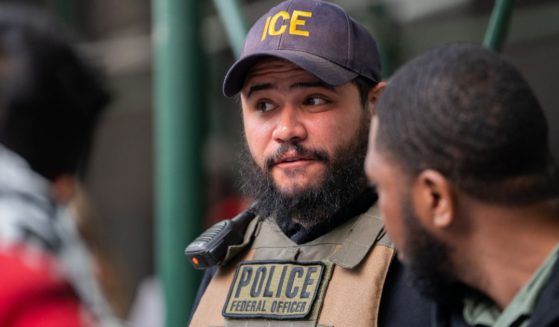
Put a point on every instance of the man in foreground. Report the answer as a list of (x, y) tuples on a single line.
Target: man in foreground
[(316, 254), (468, 187), (50, 101)]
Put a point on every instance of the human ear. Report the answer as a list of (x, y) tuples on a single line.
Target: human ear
[(63, 188), (373, 95), (435, 194)]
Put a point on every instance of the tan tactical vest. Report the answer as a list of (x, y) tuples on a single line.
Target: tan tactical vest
[(335, 280)]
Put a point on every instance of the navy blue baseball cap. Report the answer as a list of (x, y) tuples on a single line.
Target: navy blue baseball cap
[(318, 36)]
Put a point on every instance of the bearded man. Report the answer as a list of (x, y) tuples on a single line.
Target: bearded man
[(308, 79), (469, 189)]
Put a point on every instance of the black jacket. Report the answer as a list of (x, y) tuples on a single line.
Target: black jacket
[(401, 305), (545, 313)]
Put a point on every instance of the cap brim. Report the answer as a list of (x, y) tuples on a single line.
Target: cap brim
[(327, 71)]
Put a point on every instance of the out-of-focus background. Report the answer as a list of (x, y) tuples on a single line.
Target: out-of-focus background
[(120, 187)]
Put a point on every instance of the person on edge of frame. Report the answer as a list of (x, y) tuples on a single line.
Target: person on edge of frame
[(50, 102), (468, 188)]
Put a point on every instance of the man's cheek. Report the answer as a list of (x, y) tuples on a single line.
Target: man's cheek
[(259, 159)]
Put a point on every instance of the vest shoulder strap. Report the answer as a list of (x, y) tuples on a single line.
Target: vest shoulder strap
[(366, 232), (233, 250)]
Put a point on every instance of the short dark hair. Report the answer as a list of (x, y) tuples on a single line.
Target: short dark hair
[(466, 112), (50, 97), (364, 85)]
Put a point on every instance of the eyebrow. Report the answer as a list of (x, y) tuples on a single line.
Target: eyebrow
[(302, 85), (258, 87)]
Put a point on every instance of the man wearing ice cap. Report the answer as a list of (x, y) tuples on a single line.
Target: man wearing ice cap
[(317, 254)]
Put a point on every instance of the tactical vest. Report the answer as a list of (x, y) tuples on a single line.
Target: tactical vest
[(335, 280)]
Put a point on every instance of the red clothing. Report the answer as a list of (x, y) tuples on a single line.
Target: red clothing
[(46, 278), (31, 295)]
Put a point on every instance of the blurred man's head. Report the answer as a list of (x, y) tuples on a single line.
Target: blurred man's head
[(308, 78), (456, 123), (50, 97)]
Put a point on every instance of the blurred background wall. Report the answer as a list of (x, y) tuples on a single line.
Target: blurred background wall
[(120, 186)]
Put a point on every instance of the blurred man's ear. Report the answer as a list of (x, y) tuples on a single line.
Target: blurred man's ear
[(63, 188), (373, 95), (434, 198)]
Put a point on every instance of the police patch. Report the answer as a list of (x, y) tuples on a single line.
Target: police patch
[(274, 289)]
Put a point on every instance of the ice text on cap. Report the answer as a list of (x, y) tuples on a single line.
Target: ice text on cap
[(271, 27)]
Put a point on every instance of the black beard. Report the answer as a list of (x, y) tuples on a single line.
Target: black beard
[(342, 181), (430, 269)]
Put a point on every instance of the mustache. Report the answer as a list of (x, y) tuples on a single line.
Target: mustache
[(300, 150)]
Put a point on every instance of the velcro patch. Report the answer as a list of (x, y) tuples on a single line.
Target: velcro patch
[(274, 289)]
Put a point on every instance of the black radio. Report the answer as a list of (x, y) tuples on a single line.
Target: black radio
[(210, 248)]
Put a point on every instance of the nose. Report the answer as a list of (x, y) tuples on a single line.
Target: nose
[(289, 127)]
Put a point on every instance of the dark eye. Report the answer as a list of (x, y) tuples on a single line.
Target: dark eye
[(265, 106), (315, 100)]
